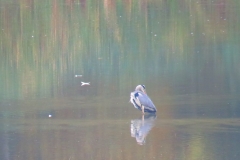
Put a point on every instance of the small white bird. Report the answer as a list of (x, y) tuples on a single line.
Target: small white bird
[(78, 75), (85, 83)]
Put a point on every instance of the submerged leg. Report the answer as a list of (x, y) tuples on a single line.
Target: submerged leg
[(143, 109)]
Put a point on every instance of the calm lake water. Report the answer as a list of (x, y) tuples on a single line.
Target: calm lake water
[(186, 53)]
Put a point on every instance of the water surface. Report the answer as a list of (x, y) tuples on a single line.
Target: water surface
[(185, 52)]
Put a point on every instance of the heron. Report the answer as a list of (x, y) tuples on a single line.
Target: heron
[(141, 101)]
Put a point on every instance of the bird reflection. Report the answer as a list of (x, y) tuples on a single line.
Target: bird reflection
[(141, 127)]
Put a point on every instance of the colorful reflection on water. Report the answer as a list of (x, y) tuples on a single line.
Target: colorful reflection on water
[(185, 52)]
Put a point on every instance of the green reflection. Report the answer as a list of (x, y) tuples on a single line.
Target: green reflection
[(181, 50), (43, 44)]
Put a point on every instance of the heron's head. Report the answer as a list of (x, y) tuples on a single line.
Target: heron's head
[(141, 88)]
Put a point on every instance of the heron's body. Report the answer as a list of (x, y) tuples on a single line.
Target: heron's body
[(141, 101)]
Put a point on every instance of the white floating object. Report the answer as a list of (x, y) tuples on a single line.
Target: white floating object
[(85, 83), (49, 115), (78, 75)]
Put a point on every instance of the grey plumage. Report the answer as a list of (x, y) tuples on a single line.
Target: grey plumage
[(141, 101)]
